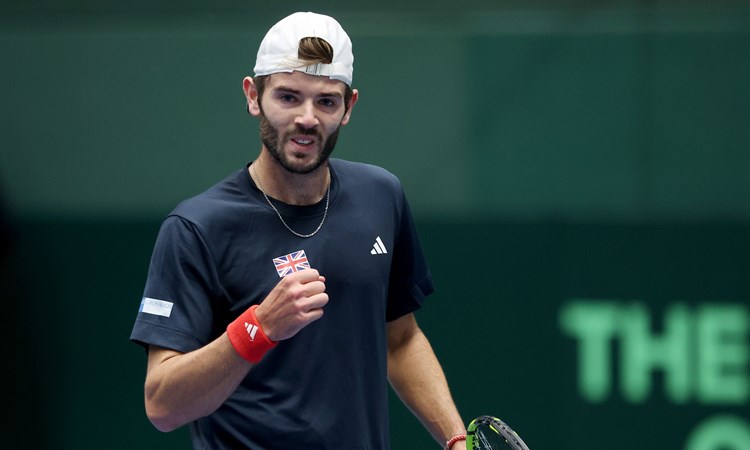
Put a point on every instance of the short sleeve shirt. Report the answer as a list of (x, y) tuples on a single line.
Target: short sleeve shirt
[(224, 250)]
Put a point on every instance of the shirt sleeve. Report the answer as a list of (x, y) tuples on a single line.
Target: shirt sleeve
[(410, 280), (182, 288)]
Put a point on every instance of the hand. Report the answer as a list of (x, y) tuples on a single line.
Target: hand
[(295, 302)]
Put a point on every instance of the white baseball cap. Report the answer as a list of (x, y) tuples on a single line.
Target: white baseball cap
[(279, 49)]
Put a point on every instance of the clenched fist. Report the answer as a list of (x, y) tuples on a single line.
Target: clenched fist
[(296, 301)]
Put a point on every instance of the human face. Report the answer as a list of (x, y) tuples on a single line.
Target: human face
[(300, 118)]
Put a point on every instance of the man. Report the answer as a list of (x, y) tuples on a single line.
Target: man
[(279, 303)]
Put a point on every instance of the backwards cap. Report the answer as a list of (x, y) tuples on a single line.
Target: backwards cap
[(279, 49)]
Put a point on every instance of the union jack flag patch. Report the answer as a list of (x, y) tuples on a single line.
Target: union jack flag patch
[(293, 262)]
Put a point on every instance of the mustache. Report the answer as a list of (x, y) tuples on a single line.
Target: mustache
[(312, 131)]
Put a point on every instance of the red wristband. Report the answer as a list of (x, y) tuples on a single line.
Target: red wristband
[(453, 440), (247, 337)]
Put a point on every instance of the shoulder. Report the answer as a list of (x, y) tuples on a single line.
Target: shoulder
[(362, 174), (219, 203), (368, 188)]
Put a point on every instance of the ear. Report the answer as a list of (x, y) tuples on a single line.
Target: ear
[(348, 115), (251, 95)]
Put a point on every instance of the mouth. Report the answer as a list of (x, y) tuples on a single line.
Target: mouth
[(303, 141)]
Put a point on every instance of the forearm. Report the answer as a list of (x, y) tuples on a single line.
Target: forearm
[(181, 388), (416, 376)]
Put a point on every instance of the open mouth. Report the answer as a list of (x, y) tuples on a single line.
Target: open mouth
[(303, 142)]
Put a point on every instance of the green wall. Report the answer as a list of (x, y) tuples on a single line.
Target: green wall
[(619, 111), (579, 173)]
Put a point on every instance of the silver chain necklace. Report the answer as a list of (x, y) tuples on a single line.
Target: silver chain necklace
[(263, 191)]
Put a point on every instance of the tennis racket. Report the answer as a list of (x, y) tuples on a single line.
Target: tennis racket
[(491, 433)]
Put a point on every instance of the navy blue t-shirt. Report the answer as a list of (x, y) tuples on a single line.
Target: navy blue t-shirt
[(326, 387)]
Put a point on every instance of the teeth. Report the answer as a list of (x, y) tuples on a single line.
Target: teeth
[(303, 141)]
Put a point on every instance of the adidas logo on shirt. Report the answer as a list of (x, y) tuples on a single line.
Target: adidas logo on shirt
[(378, 248)]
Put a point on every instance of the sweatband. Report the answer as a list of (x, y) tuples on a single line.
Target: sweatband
[(247, 337)]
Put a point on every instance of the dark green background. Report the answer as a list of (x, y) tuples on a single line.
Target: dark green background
[(550, 150)]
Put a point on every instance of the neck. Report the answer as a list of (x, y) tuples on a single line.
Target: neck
[(288, 187)]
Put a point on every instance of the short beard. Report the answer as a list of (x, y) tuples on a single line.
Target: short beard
[(269, 136)]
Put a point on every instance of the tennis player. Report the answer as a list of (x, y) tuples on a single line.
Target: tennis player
[(280, 302)]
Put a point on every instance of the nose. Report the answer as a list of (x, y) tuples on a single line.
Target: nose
[(306, 117)]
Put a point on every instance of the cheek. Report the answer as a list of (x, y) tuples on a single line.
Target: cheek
[(275, 123), (334, 123)]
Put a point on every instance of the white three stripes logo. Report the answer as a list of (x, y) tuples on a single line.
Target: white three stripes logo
[(378, 248), (251, 330)]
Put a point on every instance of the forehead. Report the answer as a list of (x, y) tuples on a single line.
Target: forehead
[(305, 83)]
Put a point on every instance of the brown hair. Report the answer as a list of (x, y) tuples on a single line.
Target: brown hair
[(311, 50)]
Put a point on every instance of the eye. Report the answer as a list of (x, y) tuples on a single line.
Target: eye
[(287, 98), (328, 102)]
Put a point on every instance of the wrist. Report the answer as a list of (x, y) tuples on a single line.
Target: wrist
[(247, 337), (450, 442)]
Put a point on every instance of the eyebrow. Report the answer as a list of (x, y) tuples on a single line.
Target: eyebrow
[(298, 92)]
